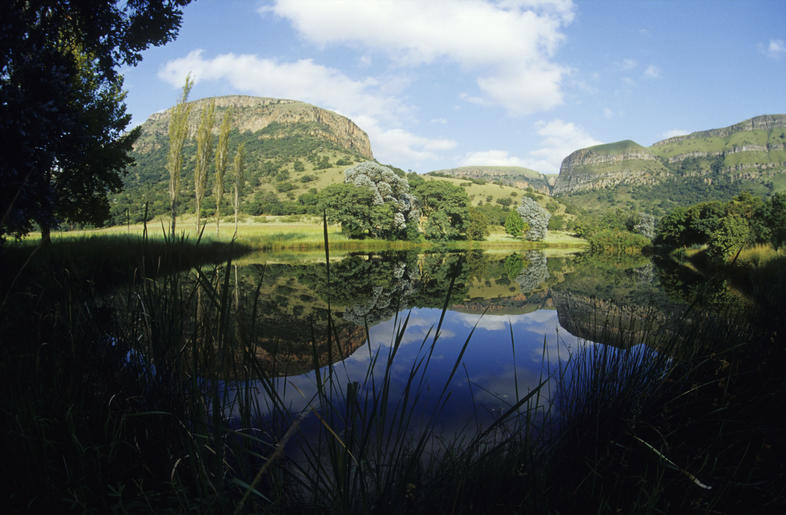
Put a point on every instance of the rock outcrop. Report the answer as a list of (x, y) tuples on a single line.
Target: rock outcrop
[(253, 114), (751, 150), (606, 166)]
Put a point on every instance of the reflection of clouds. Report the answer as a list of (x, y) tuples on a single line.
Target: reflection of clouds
[(488, 360)]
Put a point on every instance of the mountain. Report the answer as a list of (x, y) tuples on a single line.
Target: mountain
[(291, 148), (753, 150), (517, 176)]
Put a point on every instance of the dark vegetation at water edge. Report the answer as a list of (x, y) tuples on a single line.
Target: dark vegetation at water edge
[(110, 402)]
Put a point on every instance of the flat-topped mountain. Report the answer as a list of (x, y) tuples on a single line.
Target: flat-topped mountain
[(254, 114), (517, 176), (291, 148), (753, 150)]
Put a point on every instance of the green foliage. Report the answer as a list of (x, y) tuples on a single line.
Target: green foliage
[(178, 130), (557, 223), (62, 112), (298, 165), (350, 206), (478, 226), (204, 139), (447, 204), (724, 227), (514, 224), (222, 158), (774, 215), (390, 189), (613, 241)]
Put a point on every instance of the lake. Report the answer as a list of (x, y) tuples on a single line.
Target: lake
[(360, 334)]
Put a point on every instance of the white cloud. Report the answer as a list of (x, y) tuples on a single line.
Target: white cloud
[(509, 44), (674, 132), (776, 48), (652, 71), (608, 113), (364, 101), (491, 158), (558, 140)]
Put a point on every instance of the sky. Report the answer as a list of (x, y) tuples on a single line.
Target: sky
[(445, 83)]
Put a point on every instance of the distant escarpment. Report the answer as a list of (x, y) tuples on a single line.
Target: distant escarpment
[(606, 166), (517, 176), (753, 150)]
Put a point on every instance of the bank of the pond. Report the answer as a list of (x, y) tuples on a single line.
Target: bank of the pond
[(304, 232)]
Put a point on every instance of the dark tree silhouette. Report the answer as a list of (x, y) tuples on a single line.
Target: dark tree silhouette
[(62, 111)]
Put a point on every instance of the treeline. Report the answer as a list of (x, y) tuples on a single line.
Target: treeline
[(725, 228)]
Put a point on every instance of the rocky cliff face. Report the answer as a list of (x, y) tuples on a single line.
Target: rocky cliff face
[(751, 150), (606, 166), (253, 114)]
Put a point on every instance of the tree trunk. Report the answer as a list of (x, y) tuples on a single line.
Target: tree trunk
[(173, 218), (46, 235)]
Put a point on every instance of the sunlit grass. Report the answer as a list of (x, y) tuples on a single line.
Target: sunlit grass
[(304, 232)]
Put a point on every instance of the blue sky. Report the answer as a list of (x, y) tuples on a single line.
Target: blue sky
[(438, 83)]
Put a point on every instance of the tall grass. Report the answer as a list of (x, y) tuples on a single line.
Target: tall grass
[(154, 398)]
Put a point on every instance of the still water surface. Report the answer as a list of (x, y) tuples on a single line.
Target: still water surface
[(517, 311)]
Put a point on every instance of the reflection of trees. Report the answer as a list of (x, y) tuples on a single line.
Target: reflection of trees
[(535, 273)]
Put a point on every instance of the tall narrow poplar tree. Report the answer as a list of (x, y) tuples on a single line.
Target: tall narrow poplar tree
[(221, 163), (238, 170), (178, 130), (204, 139)]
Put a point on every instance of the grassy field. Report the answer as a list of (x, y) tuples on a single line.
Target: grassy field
[(305, 232)]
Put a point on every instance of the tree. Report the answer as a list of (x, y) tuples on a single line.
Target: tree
[(350, 206), (775, 219), (478, 226), (178, 130), (535, 217), (238, 168), (62, 111), (222, 151), (514, 224), (389, 189), (204, 139), (446, 207)]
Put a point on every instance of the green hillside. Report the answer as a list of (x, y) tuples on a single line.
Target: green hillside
[(712, 164), (292, 149), (516, 176)]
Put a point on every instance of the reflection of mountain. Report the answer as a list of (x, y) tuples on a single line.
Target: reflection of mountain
[(281, 357), (606, 320)]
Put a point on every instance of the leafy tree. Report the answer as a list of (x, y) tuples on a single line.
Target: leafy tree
[(204, 139), (514, 224), (222, 151), (178, 130), (449, 203), (732, 234), (645, 225), (535, 217), (350, 206), (62, 112), (387, 188), (557, 223), (776, 219), (238, 169), (478, 226)]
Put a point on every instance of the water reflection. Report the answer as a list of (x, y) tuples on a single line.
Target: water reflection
[(518, 310)]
